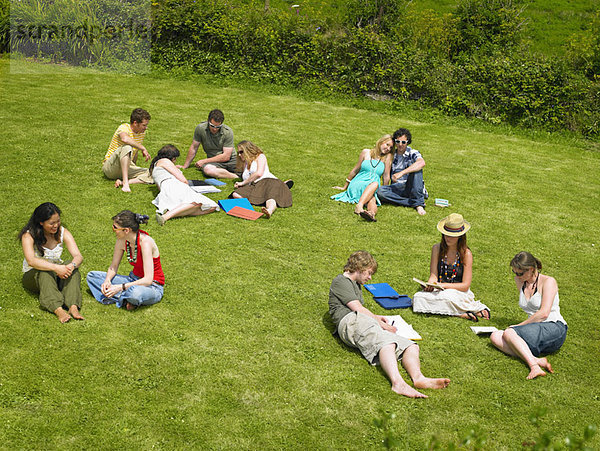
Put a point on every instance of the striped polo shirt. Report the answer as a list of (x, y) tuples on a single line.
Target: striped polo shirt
[(116, 142)]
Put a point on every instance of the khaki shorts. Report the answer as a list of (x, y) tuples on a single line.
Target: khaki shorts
[(228, 166), (363, 332), (112, 166)]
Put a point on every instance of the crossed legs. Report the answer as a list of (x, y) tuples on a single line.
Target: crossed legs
[(267, 210), (368, 198), (509, 342), (412, 365)]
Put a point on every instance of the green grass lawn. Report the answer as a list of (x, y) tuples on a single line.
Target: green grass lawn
[(239, 354)]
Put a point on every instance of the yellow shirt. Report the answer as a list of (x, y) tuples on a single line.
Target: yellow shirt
[(116, 142)]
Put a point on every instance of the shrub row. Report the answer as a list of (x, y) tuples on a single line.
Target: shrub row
[(438, 61), (467, 63)]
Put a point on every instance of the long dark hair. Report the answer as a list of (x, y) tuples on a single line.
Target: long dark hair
[(42, 213), (129, 219), (169, 152), (461, 246)]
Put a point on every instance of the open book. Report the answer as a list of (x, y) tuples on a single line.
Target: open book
[(428, 284), (403, 328), (483, 329)]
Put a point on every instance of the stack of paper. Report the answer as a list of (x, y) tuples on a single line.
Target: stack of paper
[(403, 328)]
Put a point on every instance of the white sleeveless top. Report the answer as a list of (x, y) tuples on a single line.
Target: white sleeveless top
[(52, 255), (535, 302), (253, 167)]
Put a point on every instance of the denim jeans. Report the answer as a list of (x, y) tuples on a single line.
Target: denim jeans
[(135, 295), (408, 193)]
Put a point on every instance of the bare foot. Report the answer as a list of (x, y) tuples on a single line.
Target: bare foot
[(430, 382), (402, 388), (421, 210), (359, 208), (543, 363), (535, 372), (118, 183), (74, 311), (266, 212), (62, 315), (485, 314), (160, 219)]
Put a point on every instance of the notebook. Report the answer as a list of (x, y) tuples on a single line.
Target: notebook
[(387, 297), (228, 204), (403, 328), (244, 213)]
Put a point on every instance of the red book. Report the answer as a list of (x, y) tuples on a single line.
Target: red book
[(244, 213)]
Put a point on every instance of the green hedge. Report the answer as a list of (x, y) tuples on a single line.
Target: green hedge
[(467, 63), (459, 64)]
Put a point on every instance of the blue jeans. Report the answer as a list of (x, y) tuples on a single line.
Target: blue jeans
[(408, 193), (135, 295), (543, 338)]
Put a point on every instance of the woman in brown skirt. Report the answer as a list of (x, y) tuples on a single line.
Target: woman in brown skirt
[(258, 184)]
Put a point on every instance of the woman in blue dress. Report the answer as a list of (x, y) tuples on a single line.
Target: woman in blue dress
[(372, 164)]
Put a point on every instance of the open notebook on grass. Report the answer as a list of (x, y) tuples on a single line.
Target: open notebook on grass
[(403, 328)]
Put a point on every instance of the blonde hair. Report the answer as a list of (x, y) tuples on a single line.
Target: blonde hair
[(251, 151), (360, 261), (376, 151)]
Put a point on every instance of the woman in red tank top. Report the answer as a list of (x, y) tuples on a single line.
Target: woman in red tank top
[(145, 283)]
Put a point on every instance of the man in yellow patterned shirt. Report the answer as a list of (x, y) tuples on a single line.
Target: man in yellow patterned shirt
[(121, 158)]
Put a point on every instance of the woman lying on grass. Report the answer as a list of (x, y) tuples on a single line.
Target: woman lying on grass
[(451, 267), (371, 165), (258, 184), (44, 272), (145, 284), (176, 197), (545, 330)]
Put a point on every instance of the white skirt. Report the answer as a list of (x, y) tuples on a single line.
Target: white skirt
[(174, 193), (447, 302)]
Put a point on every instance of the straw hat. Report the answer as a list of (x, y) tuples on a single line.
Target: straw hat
[(453, 225)]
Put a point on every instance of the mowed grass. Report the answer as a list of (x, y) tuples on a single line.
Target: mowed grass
[(239, 354)]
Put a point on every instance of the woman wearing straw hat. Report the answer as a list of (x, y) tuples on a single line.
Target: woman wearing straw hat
[(545, 330), (451, 270)]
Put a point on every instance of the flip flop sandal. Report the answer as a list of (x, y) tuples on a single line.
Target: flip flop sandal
[(368, 216), (489, 314), (472, 316)]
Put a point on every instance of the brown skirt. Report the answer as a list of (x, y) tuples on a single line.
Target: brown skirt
[(258, 193)]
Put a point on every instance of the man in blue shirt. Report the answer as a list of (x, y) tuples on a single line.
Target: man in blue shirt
[(407, 187)]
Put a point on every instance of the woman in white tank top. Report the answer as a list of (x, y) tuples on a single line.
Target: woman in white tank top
[(545, 330), (44, 271)]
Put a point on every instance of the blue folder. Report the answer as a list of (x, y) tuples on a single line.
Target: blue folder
[(387, 297), (215, 182), (401, 301), (381, 290), (228, 204)]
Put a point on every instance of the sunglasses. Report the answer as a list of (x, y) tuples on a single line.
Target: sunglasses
[(215, 126), (400, 141), (518, 274), (115, 228)]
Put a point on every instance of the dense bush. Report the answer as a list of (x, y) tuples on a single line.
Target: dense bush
[(4, 25), (487, 25), (466, 63), (105, 32)]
